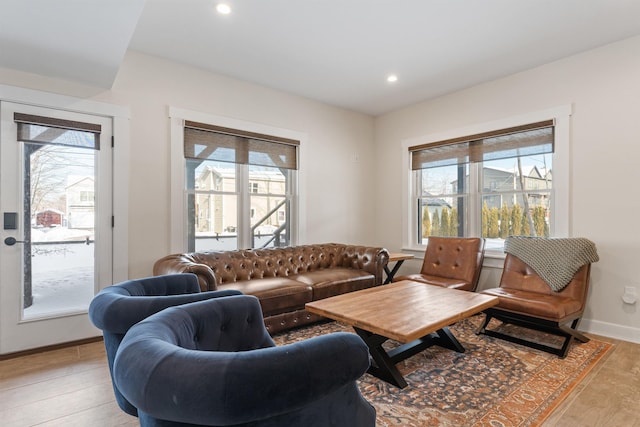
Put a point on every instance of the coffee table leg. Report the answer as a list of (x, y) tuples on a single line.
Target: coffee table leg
[(448, 340), (384, 369), (385, 362)]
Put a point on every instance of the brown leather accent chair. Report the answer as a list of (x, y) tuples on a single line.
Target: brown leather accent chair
[(451, 262), (527, 300)]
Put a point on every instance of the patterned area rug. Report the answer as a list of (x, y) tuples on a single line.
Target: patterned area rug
[(494, 383)]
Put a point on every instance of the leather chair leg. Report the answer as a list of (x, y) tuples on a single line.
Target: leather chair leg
[(533, 323)]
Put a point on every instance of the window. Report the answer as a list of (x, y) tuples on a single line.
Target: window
[(239, 187), (87, 196), (493, 183)]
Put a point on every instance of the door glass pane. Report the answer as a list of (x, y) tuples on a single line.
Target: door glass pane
[(59, 189)]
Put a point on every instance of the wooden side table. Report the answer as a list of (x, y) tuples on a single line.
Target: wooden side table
[(398, 258)]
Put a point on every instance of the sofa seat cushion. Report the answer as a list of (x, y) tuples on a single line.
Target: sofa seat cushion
[(335, 281), (276, 294), (550, 307), (435, 280)]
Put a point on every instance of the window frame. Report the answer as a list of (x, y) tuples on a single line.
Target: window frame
[(560, 215), (178, 220)]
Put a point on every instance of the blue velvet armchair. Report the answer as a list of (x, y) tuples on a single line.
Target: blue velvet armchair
[(116, 308), (213, 363)]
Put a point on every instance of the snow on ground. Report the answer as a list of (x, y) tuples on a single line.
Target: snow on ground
[(62, 274)]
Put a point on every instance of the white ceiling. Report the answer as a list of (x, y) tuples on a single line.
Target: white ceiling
[(334, 51)]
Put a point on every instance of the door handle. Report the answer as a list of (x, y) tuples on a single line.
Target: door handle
[(10, 241)]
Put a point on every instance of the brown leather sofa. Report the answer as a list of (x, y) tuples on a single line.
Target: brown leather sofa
[(284, 279)]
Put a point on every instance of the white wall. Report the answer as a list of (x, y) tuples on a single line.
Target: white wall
[(603, 86), (335, 199), (338, 197)]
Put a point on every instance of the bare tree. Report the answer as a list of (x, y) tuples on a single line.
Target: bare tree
[(50, 165), (46, 182), (525, 200)]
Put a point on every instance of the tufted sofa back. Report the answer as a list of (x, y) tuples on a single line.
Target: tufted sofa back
[(233, 266), (216, 268)]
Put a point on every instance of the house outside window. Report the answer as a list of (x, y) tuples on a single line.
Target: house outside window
[(492, 184), (239, 188), (80, 202)]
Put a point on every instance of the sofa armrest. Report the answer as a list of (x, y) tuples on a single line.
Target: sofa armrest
[(370, 259), (184, 263)]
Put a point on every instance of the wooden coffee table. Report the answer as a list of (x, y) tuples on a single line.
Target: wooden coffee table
[(412, 313)]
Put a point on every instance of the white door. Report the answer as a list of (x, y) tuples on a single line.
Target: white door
[(56, 229)]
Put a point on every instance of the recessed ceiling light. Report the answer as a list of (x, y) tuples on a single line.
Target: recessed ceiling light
[(223, 8), (392, 78)]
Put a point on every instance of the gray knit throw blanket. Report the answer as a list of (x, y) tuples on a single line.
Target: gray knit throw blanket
[(555, 260)]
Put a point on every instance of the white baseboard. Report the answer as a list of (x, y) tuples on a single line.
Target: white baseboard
[(612, 330)]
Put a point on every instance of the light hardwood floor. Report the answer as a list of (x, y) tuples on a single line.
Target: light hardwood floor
[(71, 387)]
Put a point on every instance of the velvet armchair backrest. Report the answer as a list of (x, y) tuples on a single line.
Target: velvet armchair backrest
[(117, 308)]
